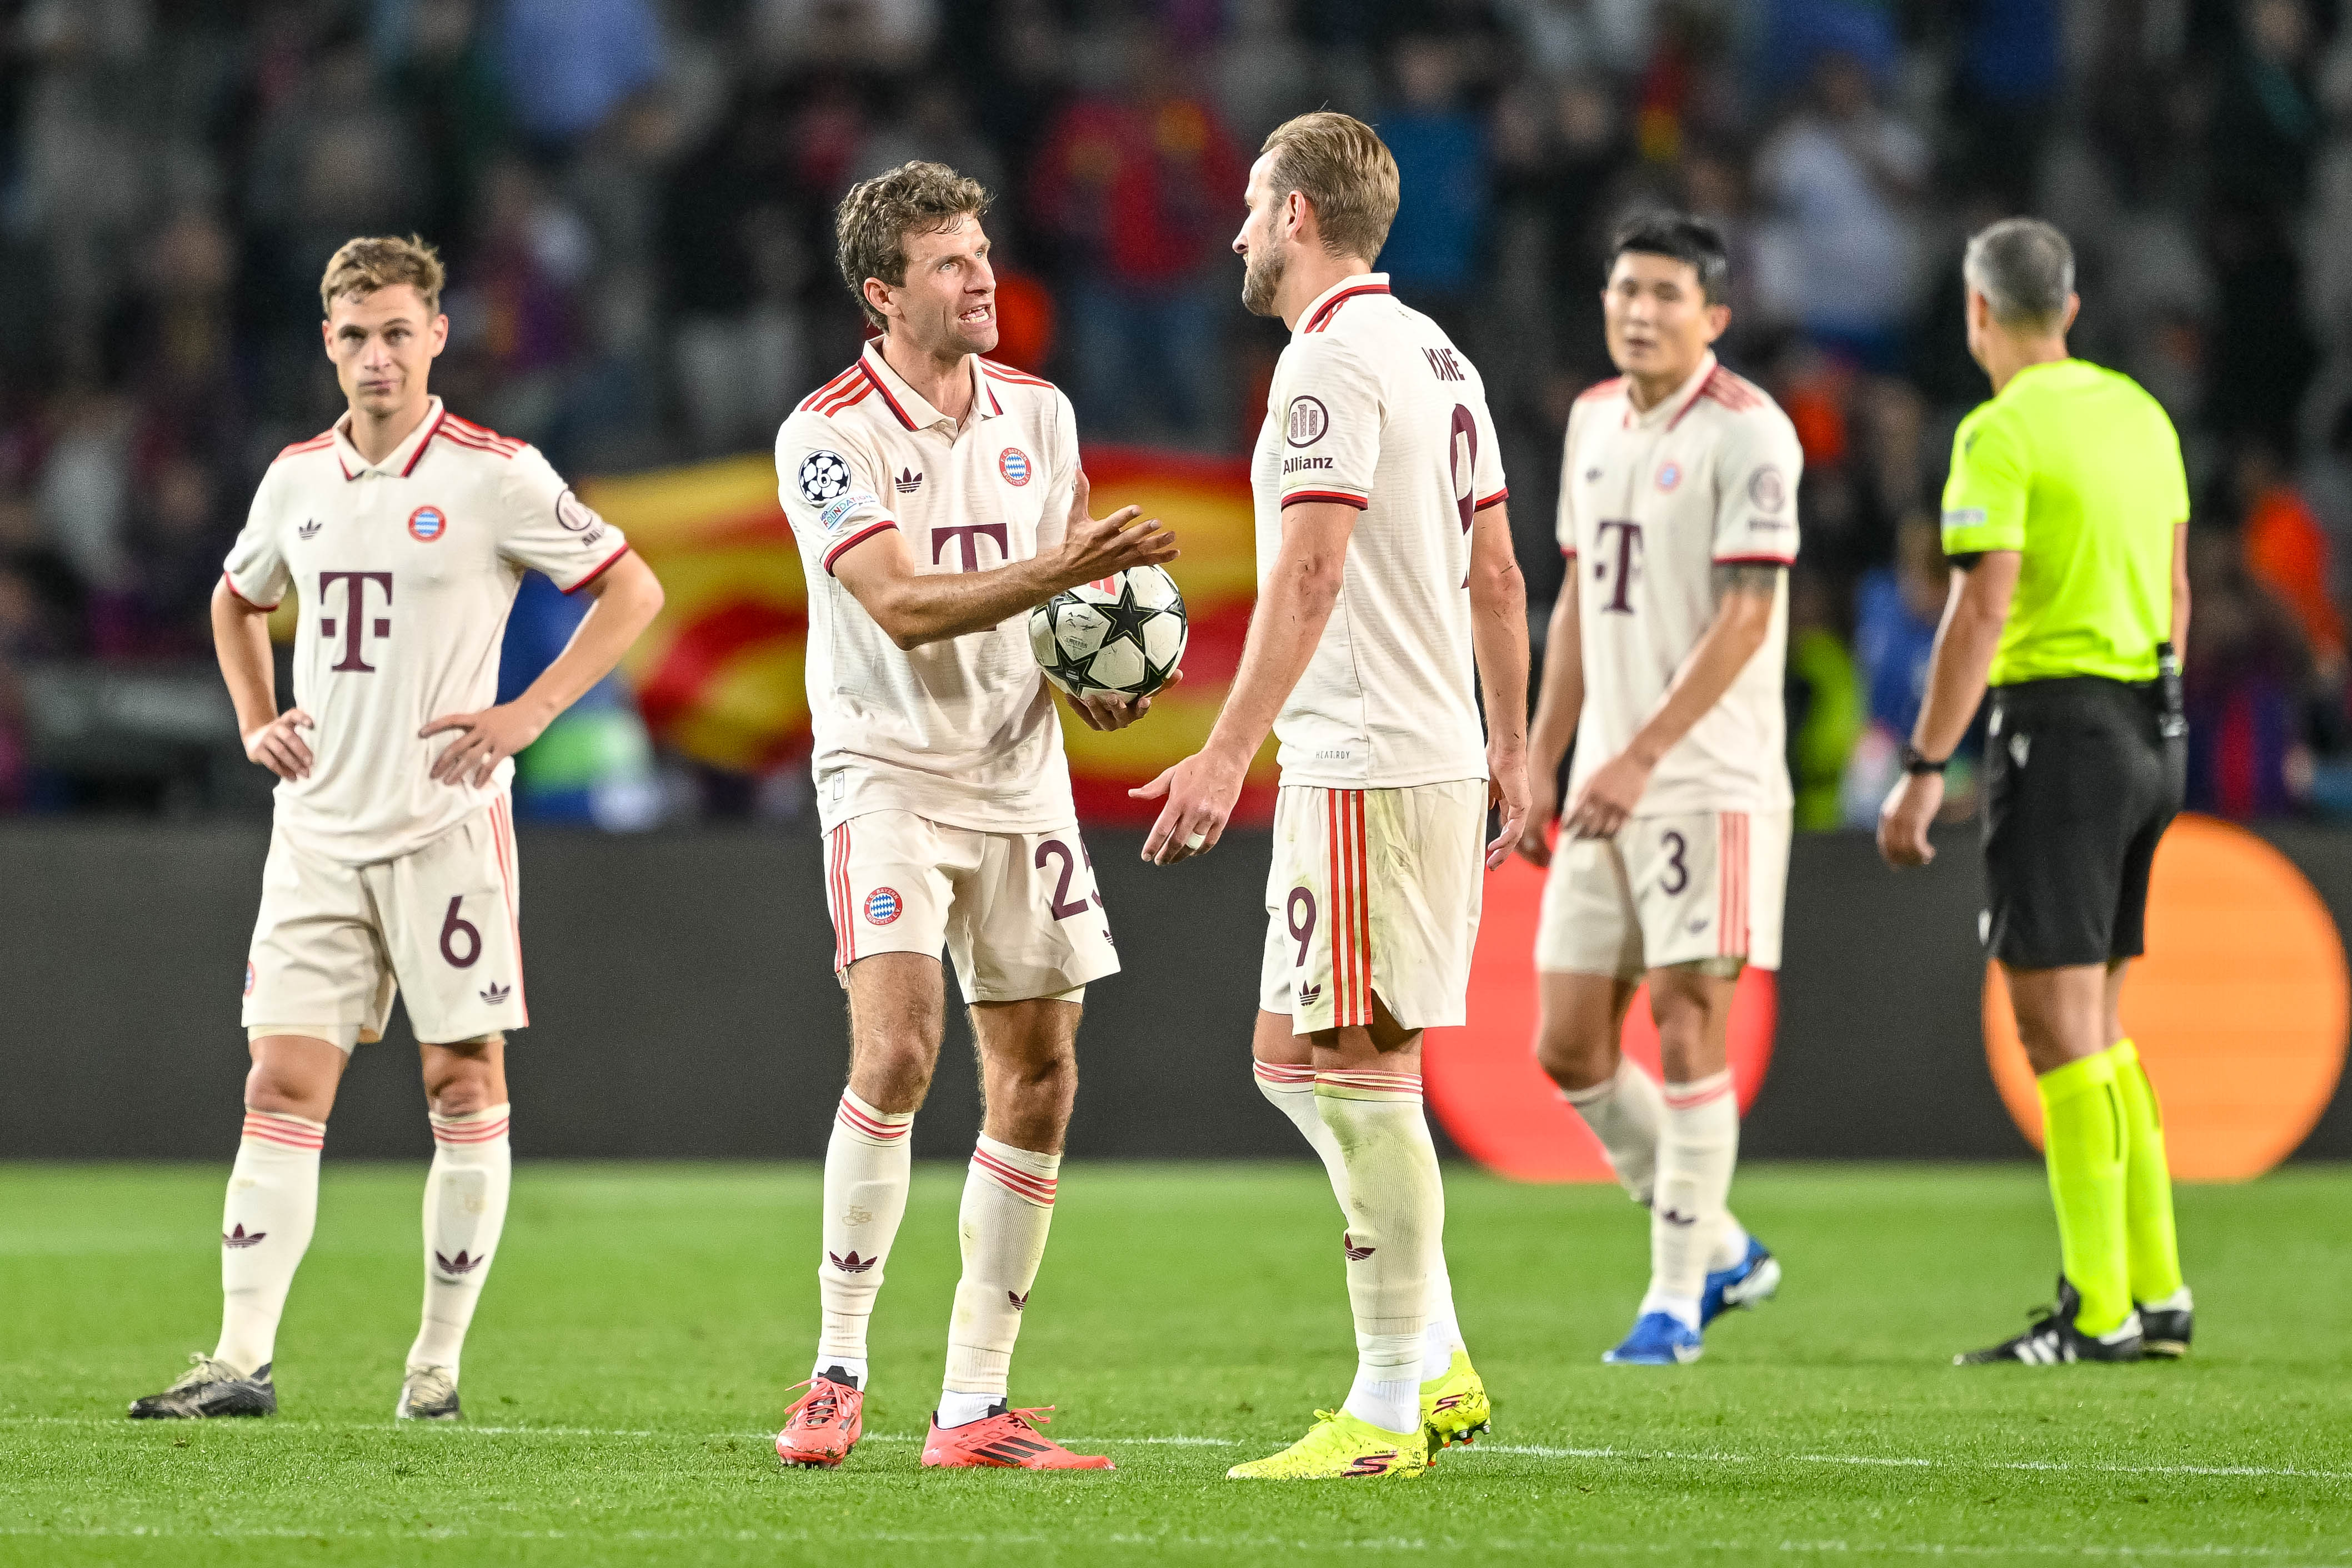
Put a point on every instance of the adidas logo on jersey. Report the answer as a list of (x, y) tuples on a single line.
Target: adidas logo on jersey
[(310, 530), (907, 482)]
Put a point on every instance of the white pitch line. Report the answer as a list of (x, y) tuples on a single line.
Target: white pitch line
[(1522, 1451), (1900, 1462)]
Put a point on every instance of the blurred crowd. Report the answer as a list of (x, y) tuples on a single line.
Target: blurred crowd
[(634, 199)]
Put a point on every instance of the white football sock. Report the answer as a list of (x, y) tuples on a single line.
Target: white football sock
[(1291, 1091), (1396, 1214), (1731, 1245), (866, 1167), (266, 1225), (1697, 1148), (465, 1210), (1008, 1206), (1624, 1111)]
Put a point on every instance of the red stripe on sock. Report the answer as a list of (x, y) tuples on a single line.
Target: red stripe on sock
[(851, 1116), (1038, 1189)]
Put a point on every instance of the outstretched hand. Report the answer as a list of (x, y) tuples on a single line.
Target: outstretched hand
[(1095, 549)]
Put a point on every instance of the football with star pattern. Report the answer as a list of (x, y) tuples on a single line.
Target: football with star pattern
[(1121, 636)]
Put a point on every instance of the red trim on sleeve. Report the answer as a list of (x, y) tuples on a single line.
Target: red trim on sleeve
[(600, 566), (1342, 496), (1755, 561), (1496, 500), (859, 538), (241, 598)]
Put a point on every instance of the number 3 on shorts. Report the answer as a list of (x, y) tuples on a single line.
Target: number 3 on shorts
[(454, 930)]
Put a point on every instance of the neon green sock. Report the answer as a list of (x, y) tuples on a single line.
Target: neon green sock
[(2082, 1132), (2155, 1245)]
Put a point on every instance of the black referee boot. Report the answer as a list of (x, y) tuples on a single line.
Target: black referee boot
[(2165, 1331), (2054, 1339)]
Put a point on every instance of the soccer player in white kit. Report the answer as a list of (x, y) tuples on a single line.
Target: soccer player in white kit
[(1387, 591), (937, 498), (1678, 517), (405, 532)]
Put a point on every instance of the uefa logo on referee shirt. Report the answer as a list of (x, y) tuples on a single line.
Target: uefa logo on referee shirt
[(426, 524), (1014, 464), (883, 905)]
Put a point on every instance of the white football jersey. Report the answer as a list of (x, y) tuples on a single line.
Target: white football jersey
[(1373, 407), (404, 569), (1650, 504), (961, 731)]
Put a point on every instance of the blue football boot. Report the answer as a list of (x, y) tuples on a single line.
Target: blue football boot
[(1659, 1339), (1751, 1280)]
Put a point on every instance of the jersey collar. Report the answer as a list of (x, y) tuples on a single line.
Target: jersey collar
[(1669, 410), (911, 408), (403, 457), (1318, 315)]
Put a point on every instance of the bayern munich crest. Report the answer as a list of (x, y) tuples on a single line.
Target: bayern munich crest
[(426, 524), (1014, 464), (883, 905), (1670, 476)]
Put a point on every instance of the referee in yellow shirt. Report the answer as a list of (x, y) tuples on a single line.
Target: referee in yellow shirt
[(2066, 518)]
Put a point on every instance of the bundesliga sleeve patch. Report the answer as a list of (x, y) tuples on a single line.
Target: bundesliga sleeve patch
[(823, 478), (1964, 516)]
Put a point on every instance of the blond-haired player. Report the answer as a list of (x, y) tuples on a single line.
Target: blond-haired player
[(1678, 517), (404, 531), (1387, 591), (937, 498)]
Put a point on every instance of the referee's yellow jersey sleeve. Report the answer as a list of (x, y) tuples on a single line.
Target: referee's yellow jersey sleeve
[(1984, 499)]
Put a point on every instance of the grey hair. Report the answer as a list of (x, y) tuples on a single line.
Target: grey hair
[(2025, 271)]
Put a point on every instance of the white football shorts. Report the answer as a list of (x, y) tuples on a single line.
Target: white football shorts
[(1373, 891), (1018, 913), (334, 943), (1678, 888)]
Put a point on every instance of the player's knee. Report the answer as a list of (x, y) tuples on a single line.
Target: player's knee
[(465, 1077), (899, 1068), (1574, 1058)]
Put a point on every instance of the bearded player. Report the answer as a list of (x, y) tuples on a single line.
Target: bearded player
[(1678, 514), (1387, 591), (937, 498), (405, 532)]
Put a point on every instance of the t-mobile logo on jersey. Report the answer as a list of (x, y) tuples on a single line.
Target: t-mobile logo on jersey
[(353, 620), (1629, 557), (969, 535)]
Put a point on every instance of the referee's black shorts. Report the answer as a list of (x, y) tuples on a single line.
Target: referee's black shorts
[(2078, 789)]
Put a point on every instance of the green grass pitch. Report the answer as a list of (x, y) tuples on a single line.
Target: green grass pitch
[(631, 1360)]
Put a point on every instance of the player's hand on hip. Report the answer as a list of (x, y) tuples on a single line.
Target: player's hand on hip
[(278, 744), (1509, 790), (484, 740), (1095, 548), (1106, 711), (1608, 797), (1201, 792), (1903, 820), (1543, 809)]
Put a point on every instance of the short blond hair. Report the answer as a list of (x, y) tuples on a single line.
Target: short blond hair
[(1340, 164), (365, 264), (871, 227)]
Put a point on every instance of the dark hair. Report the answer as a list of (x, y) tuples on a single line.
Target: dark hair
[(871, 227), (1684, 236)]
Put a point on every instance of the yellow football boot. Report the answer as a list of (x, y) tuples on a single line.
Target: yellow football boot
[(1340, 1446), (1454, 1408)]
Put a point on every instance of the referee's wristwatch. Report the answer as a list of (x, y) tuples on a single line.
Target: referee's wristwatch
[(1917, 761)]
